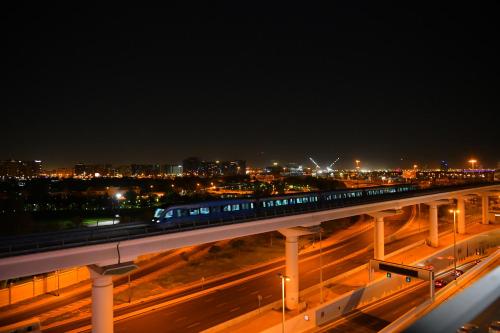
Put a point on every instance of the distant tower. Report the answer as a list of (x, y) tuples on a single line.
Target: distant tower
[(444, 166)]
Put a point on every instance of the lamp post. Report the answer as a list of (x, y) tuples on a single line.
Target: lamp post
[(455, 212), (320, 268), (118, 196), (283, 279), (472, 162)]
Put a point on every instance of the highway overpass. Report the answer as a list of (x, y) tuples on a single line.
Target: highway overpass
[(120, 247)]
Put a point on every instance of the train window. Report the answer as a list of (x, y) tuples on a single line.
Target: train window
[(194, 211), (227, 208), (158, 212), (204, 210), (285, 202), (299, 200), (235, 207), (251, 205), (169, 214), (292, 201), (215, 209), (306, 200), (182, 212), (278, 202), (270, 204), (244, 205)]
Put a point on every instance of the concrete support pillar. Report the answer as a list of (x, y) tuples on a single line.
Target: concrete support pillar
[(102, 303), (292, 271), (433, 225), (484, 207), (461, 215), (378, 238)]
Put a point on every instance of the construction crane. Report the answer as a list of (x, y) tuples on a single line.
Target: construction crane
[(333, 163), (316, 164), (328, 169)]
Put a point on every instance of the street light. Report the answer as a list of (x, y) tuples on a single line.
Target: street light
[(320, 268), (283, 279), (455, 212), (118, 197), (472, 162)]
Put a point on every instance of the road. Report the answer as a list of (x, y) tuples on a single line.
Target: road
[(375, 317), (227, 303)]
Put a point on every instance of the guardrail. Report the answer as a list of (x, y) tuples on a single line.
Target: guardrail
[(372, 292)]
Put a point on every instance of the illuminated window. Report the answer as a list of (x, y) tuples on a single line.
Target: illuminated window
[(204, 210), (194, 211), (158, 212), (169, 214)]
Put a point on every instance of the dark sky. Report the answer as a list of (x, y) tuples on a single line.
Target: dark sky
[(247, 81)]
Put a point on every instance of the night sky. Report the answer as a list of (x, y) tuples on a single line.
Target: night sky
[(390, 85)]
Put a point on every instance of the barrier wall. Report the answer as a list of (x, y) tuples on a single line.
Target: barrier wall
[(384, 286), (42, 285)]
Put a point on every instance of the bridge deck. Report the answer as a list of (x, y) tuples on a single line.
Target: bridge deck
[(41, 242)]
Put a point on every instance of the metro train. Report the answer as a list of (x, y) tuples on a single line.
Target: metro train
[(233, 209)]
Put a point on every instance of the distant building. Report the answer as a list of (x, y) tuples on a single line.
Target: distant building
[(209, 169), (456, 175), (293, 170), (194, 166), (60, 173), (232, 168), (145, 170), (444, 166), (94, 170), (171, 170), (20, 169), (274, 170), (191, 166), (124, 170)]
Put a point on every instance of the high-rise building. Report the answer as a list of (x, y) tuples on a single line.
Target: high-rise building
[(233, 168), (79, 170), (444, 166), (191, 166), (171, 170), (20, 169), (194, 166), (145, 170), (31, 169)]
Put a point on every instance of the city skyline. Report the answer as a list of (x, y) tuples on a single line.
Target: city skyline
[(306, 164), (276, 167)]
